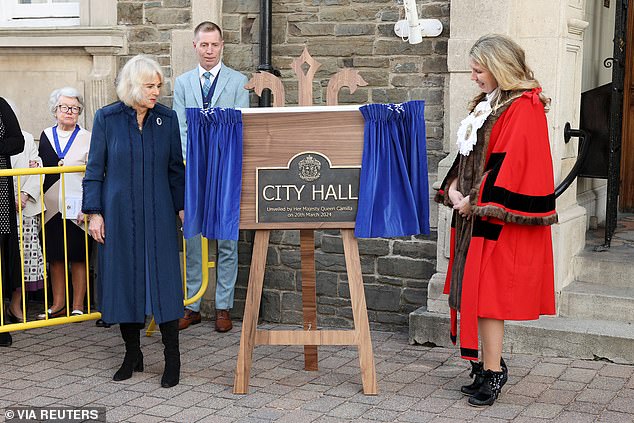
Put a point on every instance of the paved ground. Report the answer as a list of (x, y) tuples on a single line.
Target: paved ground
[(622, 243), (73, 366)]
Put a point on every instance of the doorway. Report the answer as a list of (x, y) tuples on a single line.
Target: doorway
[(626, 189)]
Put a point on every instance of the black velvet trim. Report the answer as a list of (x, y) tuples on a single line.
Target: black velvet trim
[(469, 353), (486, 229), (512, 200)]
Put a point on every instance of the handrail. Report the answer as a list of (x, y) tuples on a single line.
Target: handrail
[(584, 142)]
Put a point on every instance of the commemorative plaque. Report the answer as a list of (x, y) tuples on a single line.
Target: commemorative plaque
[(309, 189), (327, 140)]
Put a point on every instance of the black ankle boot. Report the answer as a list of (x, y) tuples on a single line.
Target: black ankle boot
[(169, 334), (477, 370), (490, 389), (476, 373), (5, 339), (133, 359), (505, 371)]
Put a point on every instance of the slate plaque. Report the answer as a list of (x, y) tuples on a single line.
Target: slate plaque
[(310, 189)]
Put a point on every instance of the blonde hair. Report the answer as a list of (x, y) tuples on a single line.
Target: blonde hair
[(133, 75), (506, 61)]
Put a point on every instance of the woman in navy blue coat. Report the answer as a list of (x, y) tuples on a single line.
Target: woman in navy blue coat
[(133, 189)]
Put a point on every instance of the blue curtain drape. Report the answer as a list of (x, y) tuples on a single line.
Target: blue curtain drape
[(393, 186), (213, 173)]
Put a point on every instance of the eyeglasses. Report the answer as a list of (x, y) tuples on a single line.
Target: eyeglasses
[(64, 109)]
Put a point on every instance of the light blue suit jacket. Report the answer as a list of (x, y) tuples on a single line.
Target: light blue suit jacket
[(229, 92)]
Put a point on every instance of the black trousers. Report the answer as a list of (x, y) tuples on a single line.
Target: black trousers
[(10, 261)]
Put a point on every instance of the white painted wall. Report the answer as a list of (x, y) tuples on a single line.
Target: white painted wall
[(597, 44)]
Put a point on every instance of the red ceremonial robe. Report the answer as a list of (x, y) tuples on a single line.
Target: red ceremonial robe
[(505, 267)]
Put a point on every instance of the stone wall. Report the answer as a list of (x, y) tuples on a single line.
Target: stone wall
[(395, 275), (349, 33), (338, 34), (149, 26)]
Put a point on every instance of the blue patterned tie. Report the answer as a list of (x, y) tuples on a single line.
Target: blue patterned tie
[(207, 84)]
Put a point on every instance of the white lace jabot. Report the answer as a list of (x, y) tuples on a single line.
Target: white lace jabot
[(467, 132)]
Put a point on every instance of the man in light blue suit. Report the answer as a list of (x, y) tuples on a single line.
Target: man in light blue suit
[(210, 84)]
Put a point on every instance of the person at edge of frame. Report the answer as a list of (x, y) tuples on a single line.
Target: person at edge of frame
[(11, 142)]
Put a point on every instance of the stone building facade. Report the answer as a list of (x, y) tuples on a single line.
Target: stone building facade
[(566, 42), (338, 34)]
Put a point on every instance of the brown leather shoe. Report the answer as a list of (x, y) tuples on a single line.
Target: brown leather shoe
[(223, 321), (191, 318)]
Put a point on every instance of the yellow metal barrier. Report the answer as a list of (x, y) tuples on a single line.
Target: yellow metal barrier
[(90, 315)]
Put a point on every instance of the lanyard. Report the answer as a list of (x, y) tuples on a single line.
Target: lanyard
[(61, 154), (210, 94)]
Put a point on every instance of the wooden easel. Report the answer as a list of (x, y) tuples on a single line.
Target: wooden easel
[(269, 136)]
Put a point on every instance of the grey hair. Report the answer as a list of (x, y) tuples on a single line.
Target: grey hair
[(53, 100), (133, 75)]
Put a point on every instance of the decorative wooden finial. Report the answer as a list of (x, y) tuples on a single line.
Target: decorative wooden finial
[(305, 79), (347, 77), (262, 80), (305, 68)]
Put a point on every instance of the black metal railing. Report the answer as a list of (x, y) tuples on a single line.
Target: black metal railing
[(584, 142), (616, 121)]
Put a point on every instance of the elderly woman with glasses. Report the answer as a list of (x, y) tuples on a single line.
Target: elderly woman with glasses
[(65, 144)]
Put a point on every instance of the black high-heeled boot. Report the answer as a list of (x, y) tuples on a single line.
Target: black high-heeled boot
[(169, 334), (133, 359), (477, 370), (490, 389), (476, 373)]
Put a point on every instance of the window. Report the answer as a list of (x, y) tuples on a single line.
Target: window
[(39, 13)]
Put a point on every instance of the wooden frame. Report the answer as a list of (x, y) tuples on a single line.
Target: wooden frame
[(287, 133), (270, 138)]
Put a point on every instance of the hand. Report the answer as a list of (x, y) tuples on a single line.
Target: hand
[(24, 197), (181, 214), (80, 218), (33, 163), (97, 228), (454, 195), (463, 207)]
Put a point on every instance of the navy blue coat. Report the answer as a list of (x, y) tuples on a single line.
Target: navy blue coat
[(136, 180)]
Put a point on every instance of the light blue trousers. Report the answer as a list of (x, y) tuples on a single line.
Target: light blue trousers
[(226, 272)]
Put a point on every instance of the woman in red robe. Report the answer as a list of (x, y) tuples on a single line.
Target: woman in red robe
[(502, 191)]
